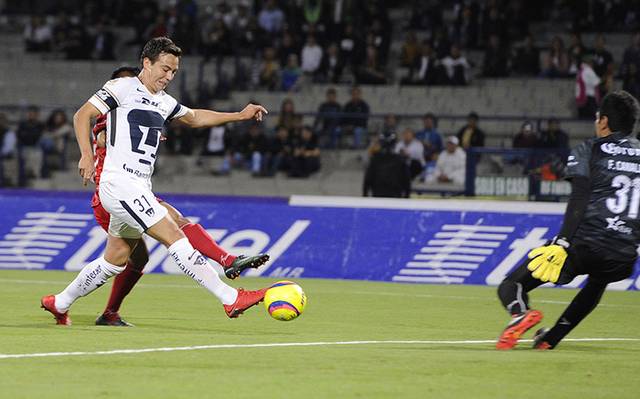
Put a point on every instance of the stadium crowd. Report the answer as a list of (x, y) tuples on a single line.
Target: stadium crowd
[(281, 45)]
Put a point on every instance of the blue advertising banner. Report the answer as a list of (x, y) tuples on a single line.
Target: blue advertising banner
[(418, 241)]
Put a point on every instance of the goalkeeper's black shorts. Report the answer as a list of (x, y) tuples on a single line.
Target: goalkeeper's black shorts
[(599, 263)]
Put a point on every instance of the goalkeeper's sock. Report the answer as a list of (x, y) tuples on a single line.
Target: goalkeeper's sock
[(584, 302), (91, 277), (203, 242), (513, 297), (122, 285)]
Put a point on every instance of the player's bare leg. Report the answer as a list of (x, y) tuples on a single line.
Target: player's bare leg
[(122, 285), (90, 278), (201, 240), (194, 265)]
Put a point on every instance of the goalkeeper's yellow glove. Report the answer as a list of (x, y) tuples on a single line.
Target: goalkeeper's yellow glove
[(547, 261)]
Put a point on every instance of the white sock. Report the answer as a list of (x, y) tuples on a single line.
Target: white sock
[(92, 276), (194, 265)]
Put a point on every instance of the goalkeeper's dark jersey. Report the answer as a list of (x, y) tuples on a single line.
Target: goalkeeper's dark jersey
[(611, 220)]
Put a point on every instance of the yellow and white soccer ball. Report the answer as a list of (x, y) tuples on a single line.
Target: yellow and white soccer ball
[(285, 300)]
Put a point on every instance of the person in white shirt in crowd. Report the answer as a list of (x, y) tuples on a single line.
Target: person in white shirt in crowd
[(456, 67), (451, 165), (311, 56), (413, 150), (587, 82)]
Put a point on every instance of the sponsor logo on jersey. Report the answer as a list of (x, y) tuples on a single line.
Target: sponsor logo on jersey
[(618, 225), (103, 94), (615, 149)]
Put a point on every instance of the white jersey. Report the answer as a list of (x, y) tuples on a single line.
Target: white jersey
[(135, 122)]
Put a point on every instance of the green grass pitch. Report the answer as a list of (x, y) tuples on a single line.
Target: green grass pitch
[(172, 312)]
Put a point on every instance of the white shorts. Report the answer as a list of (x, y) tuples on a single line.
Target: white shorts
[(132, 206)]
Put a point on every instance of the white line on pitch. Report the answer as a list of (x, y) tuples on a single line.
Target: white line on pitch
[(286, 344)]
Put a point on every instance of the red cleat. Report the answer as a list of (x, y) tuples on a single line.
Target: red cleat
[(245, 300), (517, 327), (48, 303)]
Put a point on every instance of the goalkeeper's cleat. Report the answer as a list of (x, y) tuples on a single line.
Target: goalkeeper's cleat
[(241, 263), (245, 300), (519, 325), (538, 340), (48, 303), (112, 319)]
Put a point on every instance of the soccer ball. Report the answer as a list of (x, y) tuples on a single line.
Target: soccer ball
[(285, 300)]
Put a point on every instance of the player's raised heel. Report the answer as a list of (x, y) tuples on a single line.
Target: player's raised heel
[(112, 319), (245, 300), (48, 303), (517, 327), (241, 263), (539, 341)]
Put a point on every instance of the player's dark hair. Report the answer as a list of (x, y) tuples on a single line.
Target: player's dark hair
[(157, 46), (621, 109), (125, 69)]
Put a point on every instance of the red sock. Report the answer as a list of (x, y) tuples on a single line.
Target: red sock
[(122, 285), (203, 242)]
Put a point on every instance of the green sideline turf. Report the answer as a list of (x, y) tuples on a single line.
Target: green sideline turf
[(171, 311)]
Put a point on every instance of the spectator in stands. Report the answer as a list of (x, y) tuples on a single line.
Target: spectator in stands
[(556, 63), (586, 89), (371, 72), (349, 43), (280, 152), (526, 138), (7, 139), (410, 51), (269, 75), (288, 117), (306, 154), (456, 67), (251, 149), (218, 144), (471, 135), (496, 59), (390, 125), (104, 42), (413, 152), (430, 137), (467, 26), (38, 34), (271, 18), (216, 39), (577, 51), (331, 65), (290, 77), (425, 70), (57, 133), (527, 59), (493, 23), (356, 116), (287, 47), (327, 123), (29, 133), (451, 165), (602, 58), (631, 56), (311, 56), (387, 174), (554, 136)]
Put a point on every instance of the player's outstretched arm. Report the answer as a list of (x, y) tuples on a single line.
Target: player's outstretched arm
[(198, 118), (82, 127)]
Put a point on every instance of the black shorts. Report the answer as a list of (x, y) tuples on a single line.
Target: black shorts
[(599, 263)]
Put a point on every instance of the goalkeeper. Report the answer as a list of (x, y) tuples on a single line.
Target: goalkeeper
[(600, 231)]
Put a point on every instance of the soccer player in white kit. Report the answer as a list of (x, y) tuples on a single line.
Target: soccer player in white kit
[(139, 109)]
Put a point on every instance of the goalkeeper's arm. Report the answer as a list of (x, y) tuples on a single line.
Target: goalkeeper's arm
[(576, 207)]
